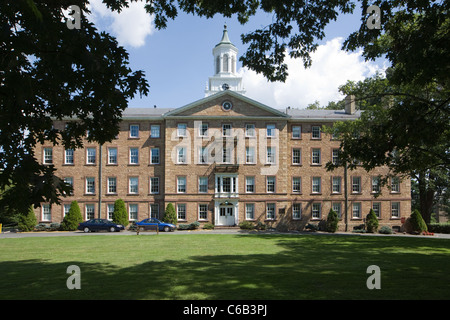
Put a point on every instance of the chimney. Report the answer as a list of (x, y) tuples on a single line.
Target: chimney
[(350, 106)]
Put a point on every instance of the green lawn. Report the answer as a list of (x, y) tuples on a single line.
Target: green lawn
[(213, 266)]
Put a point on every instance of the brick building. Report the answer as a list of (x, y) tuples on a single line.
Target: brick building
[(223, 159)]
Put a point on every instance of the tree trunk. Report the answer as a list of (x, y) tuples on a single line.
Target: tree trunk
[(426, 196)]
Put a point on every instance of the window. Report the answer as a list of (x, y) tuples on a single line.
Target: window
[(270, 130), (154, 185), (315, 132), (249, 211), (90, 185), (271, 155), (316, 210), (90, 155), (270, 214), (154, 131), (203, 130), (66, 209), (134, 131), (181, 211), (337, 207), (296, 132), (69, 180), (203, 184), (134, 155), (202, 211), (226, 155), (297, 211), (203, 155), (154, 210), (181, 155), (335, 156), (133, 211), (376, 207), (110, 211), (270, 184), (375, 184), (133, 185), (112, 185), (316, 184), (226, 130), (90, 211), (336, 184), (112, 155), (181, 129), (249, 184), (154, 156), (296, 184), (226, 184), (395, 184), (356, 210), (296, 156), (249, 155), (181, 184), (48, 156), (250, 130), (315, 156), (46, 212), (395, 209), (68, 156), (356, 184)]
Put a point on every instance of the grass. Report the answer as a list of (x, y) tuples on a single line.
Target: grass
[(217, 267)]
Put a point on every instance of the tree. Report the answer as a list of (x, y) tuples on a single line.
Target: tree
[(332, 221), (72, 218), (170, 215), (120, 214), (371, 222), (27, 221), (50, 72)]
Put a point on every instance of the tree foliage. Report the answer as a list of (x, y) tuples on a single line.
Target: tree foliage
[(332, 221), (27, 220), (48, 72), (170, 215)]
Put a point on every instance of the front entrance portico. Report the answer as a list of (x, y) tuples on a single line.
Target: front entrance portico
[(226, 212)]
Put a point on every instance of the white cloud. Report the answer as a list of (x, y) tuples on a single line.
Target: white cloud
[(131, 26), (331, 67)]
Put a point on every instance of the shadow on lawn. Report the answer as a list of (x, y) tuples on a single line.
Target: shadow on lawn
[(308, 267)]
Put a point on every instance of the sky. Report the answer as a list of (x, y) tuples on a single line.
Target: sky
[(178, 60)]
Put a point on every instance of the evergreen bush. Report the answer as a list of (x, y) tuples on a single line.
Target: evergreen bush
[(27, 221), (385, 230), (72, 218), (371, 222), (170, 215), (332, 221), (417, 222), (120, 215), (246, 225)]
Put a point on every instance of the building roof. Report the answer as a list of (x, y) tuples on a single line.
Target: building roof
[(138, 113), (322, 114)]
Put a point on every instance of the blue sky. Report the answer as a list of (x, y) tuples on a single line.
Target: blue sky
[(178, 60)]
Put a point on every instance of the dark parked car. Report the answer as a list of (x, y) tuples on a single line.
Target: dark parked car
[(151, 223), (99, 225)]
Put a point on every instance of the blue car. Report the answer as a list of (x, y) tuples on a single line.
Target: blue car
[(100, 225), (151, 223)]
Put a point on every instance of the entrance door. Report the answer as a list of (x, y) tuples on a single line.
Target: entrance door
[(226, 216)]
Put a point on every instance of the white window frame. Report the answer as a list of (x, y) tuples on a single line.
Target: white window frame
[(133, 133)]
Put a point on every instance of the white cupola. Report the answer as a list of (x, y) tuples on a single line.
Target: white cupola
[(225, 76)]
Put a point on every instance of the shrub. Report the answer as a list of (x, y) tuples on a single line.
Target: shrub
[(385, 230), (72, 218), (312, 227), (170, 215), (371, 222), (208, 226), (417, 222), (190, 226), (332, 221), (260, 226), (120, 215), (439, 227), (27, 221), (247, 225)]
